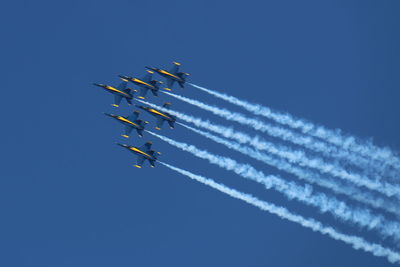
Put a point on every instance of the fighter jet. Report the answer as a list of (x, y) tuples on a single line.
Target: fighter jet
[(131, 122), (171, 76), (161, 116), (146, 83), (144, 152), (120, 92)]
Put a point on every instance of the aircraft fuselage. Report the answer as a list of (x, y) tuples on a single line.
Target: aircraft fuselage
[(125, 121), (167, 74), (114, 91), (139, 152), (141, 83), (157, 113)]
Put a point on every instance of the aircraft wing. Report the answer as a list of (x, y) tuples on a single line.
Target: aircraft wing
[(128, 130), (139, 161), (175, 68), (148, 76), (170, 83), (134, 116), (117, 100), (159, 123), (155, 92), (142, 92), (122, 86), (146, 147)]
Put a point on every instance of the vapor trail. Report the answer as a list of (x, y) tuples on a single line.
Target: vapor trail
[(293, 156), (340, 210), (364, 148), (316, 226), (303, 174), (311, 143)]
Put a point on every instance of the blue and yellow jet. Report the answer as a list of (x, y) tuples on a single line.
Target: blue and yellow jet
[(131, 122), (171, 76), (119, 92), (161, 116), (145, 84), (144, 152)]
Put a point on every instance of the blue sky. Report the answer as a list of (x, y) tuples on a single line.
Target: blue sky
[(70, 197)]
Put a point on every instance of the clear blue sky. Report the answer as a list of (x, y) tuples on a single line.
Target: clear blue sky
[(70, 197)]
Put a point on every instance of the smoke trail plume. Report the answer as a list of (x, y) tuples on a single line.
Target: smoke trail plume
[(382, 187), (303, 174), (361, 217), (364, 148), (316, 226), (293, 156)]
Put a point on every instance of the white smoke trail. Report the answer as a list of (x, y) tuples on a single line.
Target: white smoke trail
[(382, 187), (361, 217), (293, 156), (306, 175), (364, 148), (316, 226)]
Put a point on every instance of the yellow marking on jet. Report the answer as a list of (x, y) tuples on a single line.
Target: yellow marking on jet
[(167, 89), (114, 105), (125, 120), (116, 90), (139, 151), (125, 80), (141, 97), (158, 128), (137, 166), (124, 135), (149, 71), (176, 63), (167, 73), (157, 112), (142, 82)]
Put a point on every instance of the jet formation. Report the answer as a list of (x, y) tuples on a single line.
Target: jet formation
[(141, 86)]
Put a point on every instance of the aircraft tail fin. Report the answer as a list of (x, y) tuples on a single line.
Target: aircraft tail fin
[(152, 163), (167, 105), (183, 76), (155, 92), (154, 154), (171, 124), (140, 132)]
